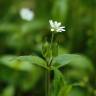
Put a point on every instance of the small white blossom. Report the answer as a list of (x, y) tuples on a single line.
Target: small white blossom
[(26, 14), (56, 26)]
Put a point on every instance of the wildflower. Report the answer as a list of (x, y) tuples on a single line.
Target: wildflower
[(26, 14), (56, 26)]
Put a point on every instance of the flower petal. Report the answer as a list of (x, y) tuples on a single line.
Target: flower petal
[(62, 27), (59, 24), (51, 23), (63, 30), (56, 24)]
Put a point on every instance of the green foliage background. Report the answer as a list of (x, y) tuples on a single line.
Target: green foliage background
[(22, 38)]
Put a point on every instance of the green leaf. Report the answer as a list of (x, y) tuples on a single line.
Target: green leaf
[(81, 62), (73, 60), (77, 68), (65, 90), (24, 63), (24, 71), (61, 60), (58, 82), (36, 60)]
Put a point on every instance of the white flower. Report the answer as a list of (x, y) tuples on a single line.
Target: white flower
[(26, 14), (56, 26)]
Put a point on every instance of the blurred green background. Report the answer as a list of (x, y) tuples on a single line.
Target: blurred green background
[(23, 33)]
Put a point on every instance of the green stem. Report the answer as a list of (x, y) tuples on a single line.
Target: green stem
[(47, 83), (49, 65), (51, 58), (49, 91), (52, 40)]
